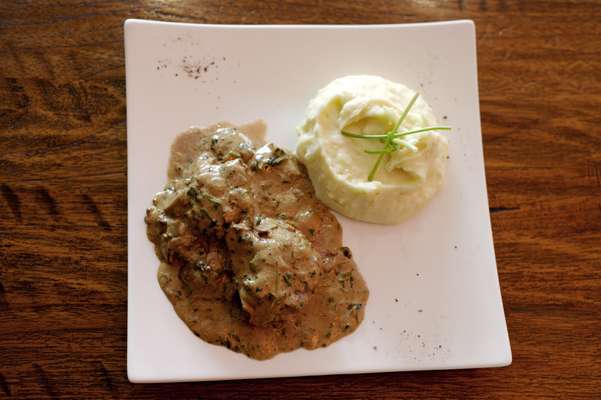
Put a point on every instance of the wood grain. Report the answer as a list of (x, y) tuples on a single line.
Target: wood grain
[(63, 222)]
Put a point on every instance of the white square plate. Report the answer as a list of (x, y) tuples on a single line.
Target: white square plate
[(435, 301)]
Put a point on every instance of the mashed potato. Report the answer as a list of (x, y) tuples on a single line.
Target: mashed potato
[(339, 166)]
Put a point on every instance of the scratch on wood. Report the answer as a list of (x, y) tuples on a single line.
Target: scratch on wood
[(47, 98), (3, 303), (4, 385), (502, 209), (13, 201), (43, 381), (595, 172), (48, 201), (93, 208), (79, 104), (107, 382), (17, 90)]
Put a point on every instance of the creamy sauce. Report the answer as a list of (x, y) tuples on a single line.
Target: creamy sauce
[(250, 259)]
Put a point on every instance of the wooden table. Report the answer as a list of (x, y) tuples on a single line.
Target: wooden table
[(63, 221)]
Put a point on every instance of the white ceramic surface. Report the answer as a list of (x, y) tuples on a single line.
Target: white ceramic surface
[(435, 301)]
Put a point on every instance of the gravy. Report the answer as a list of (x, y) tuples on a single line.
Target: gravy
[(250, 259)]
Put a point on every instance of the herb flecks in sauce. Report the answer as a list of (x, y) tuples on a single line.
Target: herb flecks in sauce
[(250, 259)]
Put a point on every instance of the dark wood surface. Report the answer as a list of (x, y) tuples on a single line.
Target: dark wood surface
[(63, 221)]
